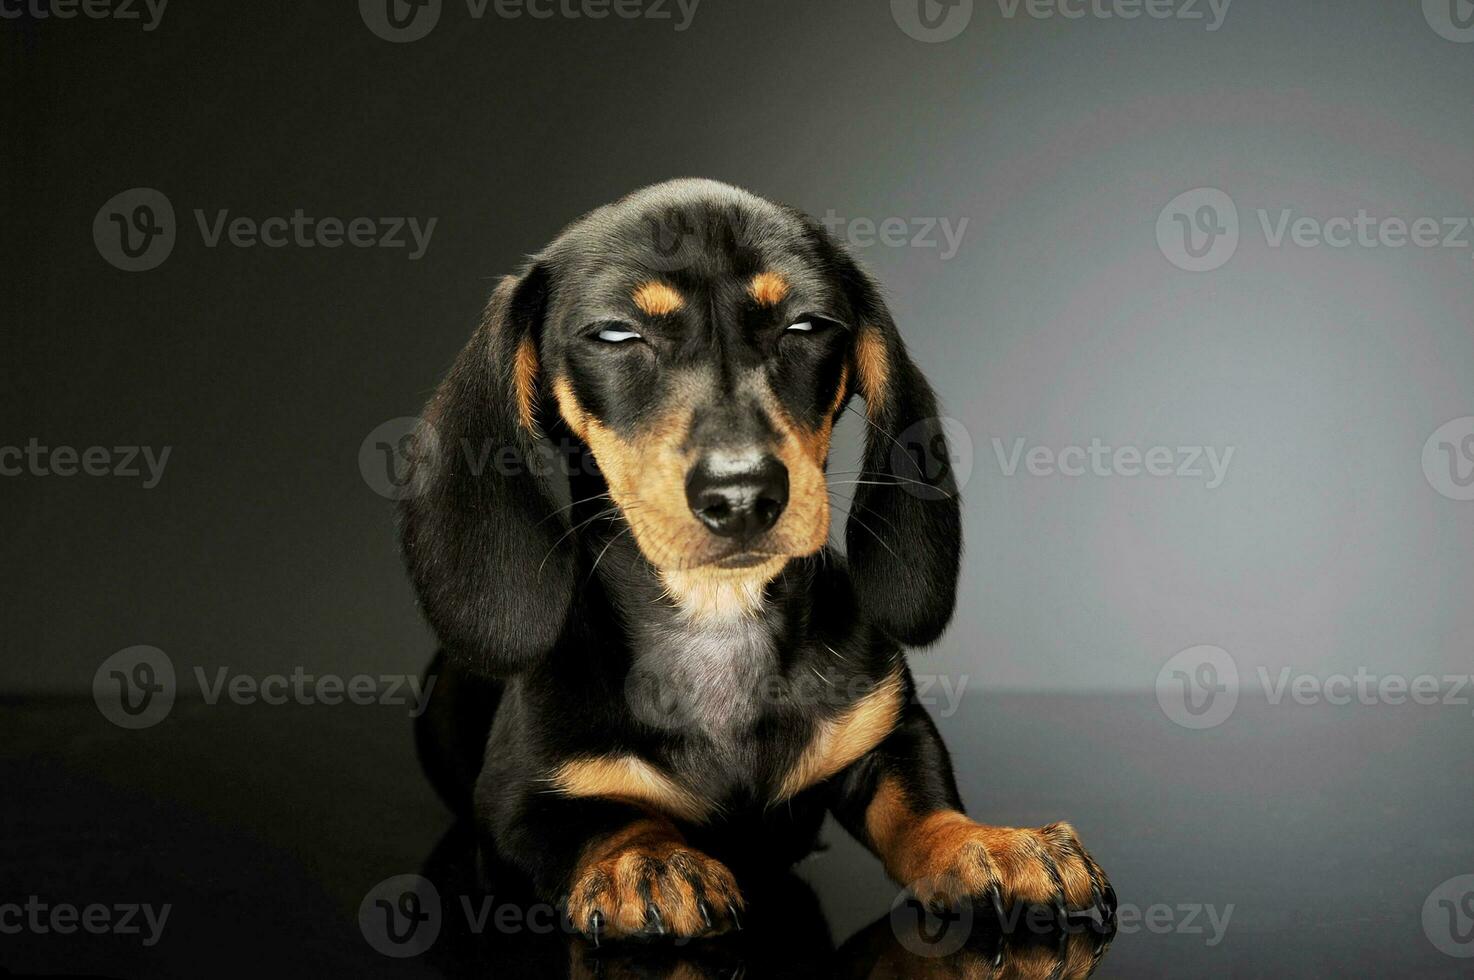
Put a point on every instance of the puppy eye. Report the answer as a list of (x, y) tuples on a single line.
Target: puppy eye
[(616, 334), (810, 323)]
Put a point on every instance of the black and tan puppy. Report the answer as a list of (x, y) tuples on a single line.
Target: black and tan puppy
[(653, 692)]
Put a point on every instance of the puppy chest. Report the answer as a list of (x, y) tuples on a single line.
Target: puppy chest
[(703, 682)]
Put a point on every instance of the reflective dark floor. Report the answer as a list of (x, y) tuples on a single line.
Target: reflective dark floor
[(1289, 841)]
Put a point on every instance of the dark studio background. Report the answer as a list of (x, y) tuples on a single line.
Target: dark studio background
[(1331, 545)]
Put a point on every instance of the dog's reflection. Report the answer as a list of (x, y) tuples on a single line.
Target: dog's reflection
[(496, 930)]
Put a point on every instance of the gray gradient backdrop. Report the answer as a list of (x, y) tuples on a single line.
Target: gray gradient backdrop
[(1059, 320)]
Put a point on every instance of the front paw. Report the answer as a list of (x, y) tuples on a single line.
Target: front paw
[(954, 858), (646, 881)]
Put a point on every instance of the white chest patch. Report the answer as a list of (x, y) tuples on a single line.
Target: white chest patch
[(702, 677)]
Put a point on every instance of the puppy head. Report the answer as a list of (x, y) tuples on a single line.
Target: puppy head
[(700, 342)]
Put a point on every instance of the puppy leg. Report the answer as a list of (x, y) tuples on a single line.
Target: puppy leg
[(901, 801), (622, 869)]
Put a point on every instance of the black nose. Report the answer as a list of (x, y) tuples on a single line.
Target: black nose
[(738, 502)]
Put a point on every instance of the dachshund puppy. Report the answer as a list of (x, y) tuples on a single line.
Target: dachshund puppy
[(659, 688)]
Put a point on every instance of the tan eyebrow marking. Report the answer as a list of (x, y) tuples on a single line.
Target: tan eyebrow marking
[(768, 288), (873, 367), (629, 777), (524, 379), (658, 299)]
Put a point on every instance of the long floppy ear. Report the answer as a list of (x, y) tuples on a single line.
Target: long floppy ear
[(476, 524), (904, 536)]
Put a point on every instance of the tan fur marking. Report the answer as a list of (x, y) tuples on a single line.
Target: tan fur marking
[(816, 442), (646, 863), (768, 288), (658, 299), (872, 367), (806, 519), (629, 777), (568, 406), (524, 378), (841, 393), (948, 851), (839, 741), (647, 480), (717, 593)]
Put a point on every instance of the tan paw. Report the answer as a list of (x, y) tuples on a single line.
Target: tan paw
[(645, 881), (950, 857)]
